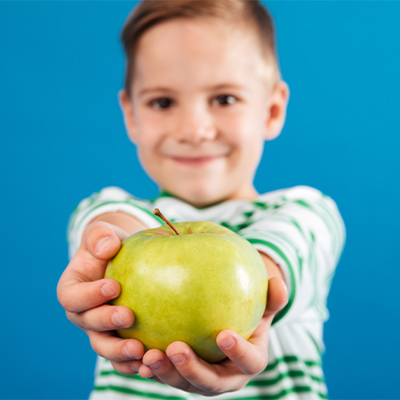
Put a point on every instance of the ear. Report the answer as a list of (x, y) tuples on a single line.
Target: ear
[(276, 113), (127, 111)]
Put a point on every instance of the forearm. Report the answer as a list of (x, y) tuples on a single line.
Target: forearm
[(124, 221)]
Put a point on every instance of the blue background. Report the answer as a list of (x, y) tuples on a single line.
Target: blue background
[(62, 138)]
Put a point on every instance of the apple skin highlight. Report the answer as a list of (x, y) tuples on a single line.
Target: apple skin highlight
[(189, 287)]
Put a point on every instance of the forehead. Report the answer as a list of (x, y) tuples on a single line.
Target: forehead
[(196, 51)]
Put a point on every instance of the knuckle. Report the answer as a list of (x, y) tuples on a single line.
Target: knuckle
[(251, 365), (257, 367)]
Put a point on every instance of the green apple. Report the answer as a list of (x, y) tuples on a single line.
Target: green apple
[(189, 287)]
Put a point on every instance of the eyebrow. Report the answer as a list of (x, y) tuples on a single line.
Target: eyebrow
[(166, 90), (228, 86), (154, 89)]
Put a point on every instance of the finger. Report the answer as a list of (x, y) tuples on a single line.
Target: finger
[(103, 318), (145, 372), (150, 375), (157, 365), (127, 367), (277, 296), (153, 359), (200, 376), (100, 242), (77, 296), (80, 286), (230, 341), (103, 240), (115, 348), (251, 357)]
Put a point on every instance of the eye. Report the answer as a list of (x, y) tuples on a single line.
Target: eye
[(161, 103), (223, 100)]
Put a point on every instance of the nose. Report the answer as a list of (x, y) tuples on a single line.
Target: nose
[(194, 125)]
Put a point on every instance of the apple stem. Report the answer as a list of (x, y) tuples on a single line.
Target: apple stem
[(158, 213)]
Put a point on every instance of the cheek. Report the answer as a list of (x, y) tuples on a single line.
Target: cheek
[(148, 136), (244, 131), (248, 140), (146, 145)]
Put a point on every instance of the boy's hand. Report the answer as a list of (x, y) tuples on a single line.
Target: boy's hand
[(83, 290), (181, 368)]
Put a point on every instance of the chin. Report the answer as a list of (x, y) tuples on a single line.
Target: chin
[(201, 198)]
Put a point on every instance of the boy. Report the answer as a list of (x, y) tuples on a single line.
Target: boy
[(202, 93)]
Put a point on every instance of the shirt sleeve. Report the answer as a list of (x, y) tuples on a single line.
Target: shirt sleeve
[(302, 230), (110, 199)]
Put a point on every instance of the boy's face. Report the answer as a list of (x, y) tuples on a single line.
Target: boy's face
[(199, 111)]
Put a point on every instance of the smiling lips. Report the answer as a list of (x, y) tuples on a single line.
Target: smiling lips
[(195, 160), (189, 154)]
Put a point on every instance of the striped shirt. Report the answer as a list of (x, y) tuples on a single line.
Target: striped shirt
[(301, 230)]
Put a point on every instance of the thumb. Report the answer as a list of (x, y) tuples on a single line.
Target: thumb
[(102, 240), (81, 285)]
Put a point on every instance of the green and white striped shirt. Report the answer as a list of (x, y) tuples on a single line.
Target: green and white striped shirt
[(301, 230)]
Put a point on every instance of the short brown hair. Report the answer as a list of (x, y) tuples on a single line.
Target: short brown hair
[(148, 13)]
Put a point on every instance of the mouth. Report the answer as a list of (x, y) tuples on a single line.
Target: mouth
[(195, 161)]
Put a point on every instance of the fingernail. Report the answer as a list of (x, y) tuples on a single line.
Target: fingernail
[(127, 353), (134, 369), (178, 358), (107, 290), (102, 244), (228, 343), (116, 319), (157, 365)]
